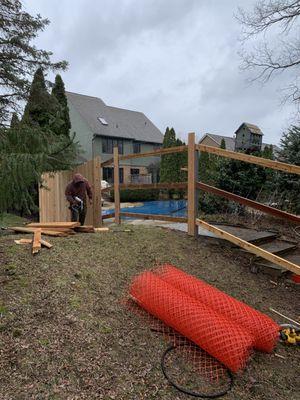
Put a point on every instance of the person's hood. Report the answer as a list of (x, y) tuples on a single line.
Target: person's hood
[(78, 178)]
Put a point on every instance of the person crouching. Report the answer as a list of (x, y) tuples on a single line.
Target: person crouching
[(76, 192)]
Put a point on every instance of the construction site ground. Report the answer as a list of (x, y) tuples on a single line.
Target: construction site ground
[(65, 333)]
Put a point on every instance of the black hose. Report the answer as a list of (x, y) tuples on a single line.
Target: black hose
[(191, 392)]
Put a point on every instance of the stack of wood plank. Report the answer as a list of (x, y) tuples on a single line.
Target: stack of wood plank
[(58, 229)]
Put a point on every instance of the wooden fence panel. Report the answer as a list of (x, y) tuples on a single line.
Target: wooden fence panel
[(52, 202)]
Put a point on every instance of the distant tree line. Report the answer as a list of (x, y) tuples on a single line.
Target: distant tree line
[(247, 180)]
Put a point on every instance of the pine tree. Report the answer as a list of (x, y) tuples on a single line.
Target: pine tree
[(25, 153), (288, 185), (168, 171), (58, 92), (32, 147), (223, 144), (14, 120), (41, 109), (19, 57)]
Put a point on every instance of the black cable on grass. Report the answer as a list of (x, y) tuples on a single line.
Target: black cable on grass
[(188, 391)]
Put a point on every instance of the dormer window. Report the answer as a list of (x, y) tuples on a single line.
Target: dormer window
[(102, 120)]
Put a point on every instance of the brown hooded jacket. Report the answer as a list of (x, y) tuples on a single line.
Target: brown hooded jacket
[(79, 187)]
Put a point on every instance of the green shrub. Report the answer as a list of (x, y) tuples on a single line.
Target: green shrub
[(128, 195)]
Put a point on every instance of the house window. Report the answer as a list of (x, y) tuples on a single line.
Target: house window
[(108, 174), (108, 145), (134, 171), (102, 120), (136, 147)]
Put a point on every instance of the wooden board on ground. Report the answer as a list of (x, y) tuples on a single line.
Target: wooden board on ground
[(29, 241), (32, 230), (36, 245), (23, 241), (103, 229), (53, 225)]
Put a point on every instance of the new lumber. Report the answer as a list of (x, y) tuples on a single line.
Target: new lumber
[(154, 153), (247, 202), (32, 230), (116, 185), (192, 204), (250, 247), (29, 241), (64, 225), (153, 216), (264, 162), (23, 241), (103, 229), (36, 244), (46, 244), (165, 185)]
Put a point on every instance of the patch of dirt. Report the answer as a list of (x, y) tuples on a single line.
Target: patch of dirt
[(66, 335)]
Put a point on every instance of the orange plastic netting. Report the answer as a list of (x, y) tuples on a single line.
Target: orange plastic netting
[(263, 328), (219, 336)]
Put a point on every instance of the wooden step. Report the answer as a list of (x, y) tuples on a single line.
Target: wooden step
[(278, 246), (273, 269), (250, 235)]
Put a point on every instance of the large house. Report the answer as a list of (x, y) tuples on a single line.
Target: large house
[(247, 137), (99, 128)]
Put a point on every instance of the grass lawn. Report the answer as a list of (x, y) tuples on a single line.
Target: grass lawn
[(11, 220), (64, 333)]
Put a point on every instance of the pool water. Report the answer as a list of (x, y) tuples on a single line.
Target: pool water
[(176, 208)]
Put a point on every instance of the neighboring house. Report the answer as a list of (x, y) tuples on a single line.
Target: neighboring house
[(247, 136), (213, 140), (99, 128)]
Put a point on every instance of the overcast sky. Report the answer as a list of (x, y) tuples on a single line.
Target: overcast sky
[(175, 60)]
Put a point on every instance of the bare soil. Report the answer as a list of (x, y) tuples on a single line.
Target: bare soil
[(64, 333)]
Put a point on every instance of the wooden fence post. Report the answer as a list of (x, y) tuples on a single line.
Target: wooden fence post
[(117, 185), (97, 206), (192, 190)]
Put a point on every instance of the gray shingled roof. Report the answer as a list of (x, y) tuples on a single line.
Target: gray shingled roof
[(121, 123), (229, 141), (252, 128)]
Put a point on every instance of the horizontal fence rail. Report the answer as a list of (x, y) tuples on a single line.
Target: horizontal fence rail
[(264, 162), (145, 186), (247, 202), (249, 247), (158, 152), (160, 217)]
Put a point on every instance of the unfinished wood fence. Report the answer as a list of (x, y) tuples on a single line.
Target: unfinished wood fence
[(52, 202), (193, 186), (53, 206)]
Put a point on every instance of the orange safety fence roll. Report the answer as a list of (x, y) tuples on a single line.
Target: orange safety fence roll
[(263, 328), (220, 337)]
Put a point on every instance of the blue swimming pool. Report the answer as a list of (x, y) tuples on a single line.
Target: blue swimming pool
[(176, 208)]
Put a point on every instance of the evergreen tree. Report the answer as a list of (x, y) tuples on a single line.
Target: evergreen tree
[(168, 166), (32, 147), (25, 153), (58, 92), (14, 120), (288, 185), (19, 57), (223, 144), (41, 109)]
